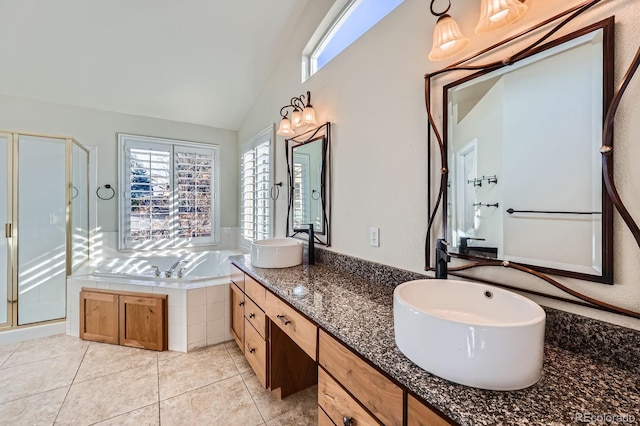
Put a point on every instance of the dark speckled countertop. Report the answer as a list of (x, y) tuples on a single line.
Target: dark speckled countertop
[(356, 306)]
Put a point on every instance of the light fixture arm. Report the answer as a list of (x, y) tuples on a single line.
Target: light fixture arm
[(434, 13)]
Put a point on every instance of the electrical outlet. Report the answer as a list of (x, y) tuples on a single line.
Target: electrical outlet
[(374, 237)]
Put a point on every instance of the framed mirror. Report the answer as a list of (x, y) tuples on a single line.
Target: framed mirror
[(522, 148), (308, 167)]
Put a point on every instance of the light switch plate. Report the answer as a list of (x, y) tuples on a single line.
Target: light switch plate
[(374, 237)]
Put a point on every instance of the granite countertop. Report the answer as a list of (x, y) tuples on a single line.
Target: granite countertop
[(360, 313)]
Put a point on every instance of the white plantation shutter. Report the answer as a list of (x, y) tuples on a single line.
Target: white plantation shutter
[(256, 180), (167, 193)]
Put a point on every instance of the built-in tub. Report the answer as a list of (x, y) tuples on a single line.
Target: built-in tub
[(199, 266), (199, 302)]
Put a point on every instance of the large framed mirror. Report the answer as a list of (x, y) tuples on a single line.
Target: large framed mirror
[(522, 142), (308, 168)]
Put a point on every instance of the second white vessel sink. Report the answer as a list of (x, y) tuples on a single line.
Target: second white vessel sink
[(470, 333), (276, 253)]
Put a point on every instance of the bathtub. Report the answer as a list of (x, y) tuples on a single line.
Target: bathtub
[(199, 303), (199, 266)]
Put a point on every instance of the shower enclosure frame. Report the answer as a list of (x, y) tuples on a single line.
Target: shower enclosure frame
[(12, 225)]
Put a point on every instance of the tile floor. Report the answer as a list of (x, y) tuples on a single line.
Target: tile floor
[(63, 380)]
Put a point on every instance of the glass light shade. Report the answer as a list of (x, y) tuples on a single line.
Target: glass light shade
[(495, 14), (309, 116), (285, 128), (296, 119), (448, 40)]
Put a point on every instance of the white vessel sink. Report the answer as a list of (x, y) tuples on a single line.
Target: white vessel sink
[(276, 253), (470, 333)]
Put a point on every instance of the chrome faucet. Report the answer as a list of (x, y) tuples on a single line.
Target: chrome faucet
[(442, 258), (311, 252), (173, 267)]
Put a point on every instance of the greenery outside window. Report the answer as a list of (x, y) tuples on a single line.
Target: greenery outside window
[(168, 193)]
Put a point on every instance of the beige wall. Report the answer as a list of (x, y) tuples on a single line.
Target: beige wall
[(99, 128), (374, 94)]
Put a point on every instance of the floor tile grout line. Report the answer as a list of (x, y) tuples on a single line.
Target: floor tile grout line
[(12, 353), (158, 381), (71, 384), (35, 394), (253, 399), (121, 414), (199, 387)]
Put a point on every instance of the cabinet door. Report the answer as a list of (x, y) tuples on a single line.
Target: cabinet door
[(237, 315), (143, 322), (99, 316), (419, 414)]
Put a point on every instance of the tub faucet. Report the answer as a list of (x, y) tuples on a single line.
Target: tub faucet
[(311, 252), (173, 267), (442, 258)]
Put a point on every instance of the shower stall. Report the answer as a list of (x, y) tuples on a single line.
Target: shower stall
[(44, 206)]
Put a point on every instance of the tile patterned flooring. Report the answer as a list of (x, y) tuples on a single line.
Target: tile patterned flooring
[(63, 380)]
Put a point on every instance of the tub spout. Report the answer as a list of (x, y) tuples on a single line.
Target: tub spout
[(169, 272)]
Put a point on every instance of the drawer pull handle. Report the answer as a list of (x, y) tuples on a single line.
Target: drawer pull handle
[(347, 421), (241, 304), (252, 315), (284, 320), (252, 350)]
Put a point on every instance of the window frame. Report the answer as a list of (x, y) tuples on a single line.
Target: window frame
[(127, 141), (337, 15), (266, 135)]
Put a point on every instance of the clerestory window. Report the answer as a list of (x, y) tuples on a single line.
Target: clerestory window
[(167, 193), (345, 22)]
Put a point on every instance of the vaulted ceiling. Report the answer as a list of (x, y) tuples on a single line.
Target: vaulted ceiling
[(196, 61)]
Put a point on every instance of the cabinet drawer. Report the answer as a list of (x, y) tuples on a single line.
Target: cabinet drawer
[(383, 398), (254, 290), (255, 349), (298, 328), (255, 316), (237, 276), (339, 405), (323, 419), (419, 414)]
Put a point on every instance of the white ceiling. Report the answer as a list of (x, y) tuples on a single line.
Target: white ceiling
[(196, 61)]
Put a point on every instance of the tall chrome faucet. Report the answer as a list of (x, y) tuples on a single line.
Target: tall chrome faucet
[(173, 267), (442, 259), (311, 251)]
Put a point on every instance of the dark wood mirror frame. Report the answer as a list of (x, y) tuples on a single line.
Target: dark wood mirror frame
[(606, 150), (321, 133), (607, 26)]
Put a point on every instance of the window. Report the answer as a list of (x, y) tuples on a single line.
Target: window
[(168, 193), (345, 22), (256, 181)]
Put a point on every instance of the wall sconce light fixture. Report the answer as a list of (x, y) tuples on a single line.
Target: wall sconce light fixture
[(448, 40), (301, 116)]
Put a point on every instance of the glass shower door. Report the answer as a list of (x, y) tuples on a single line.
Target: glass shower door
[(41, 226), (5, 279)]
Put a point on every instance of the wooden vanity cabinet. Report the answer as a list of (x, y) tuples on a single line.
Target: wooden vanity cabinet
[(237, 315), (381, 397), (289, 353), (125, 318)]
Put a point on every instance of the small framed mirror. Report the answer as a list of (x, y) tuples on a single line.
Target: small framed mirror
[(308, 172), (522, 145)]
